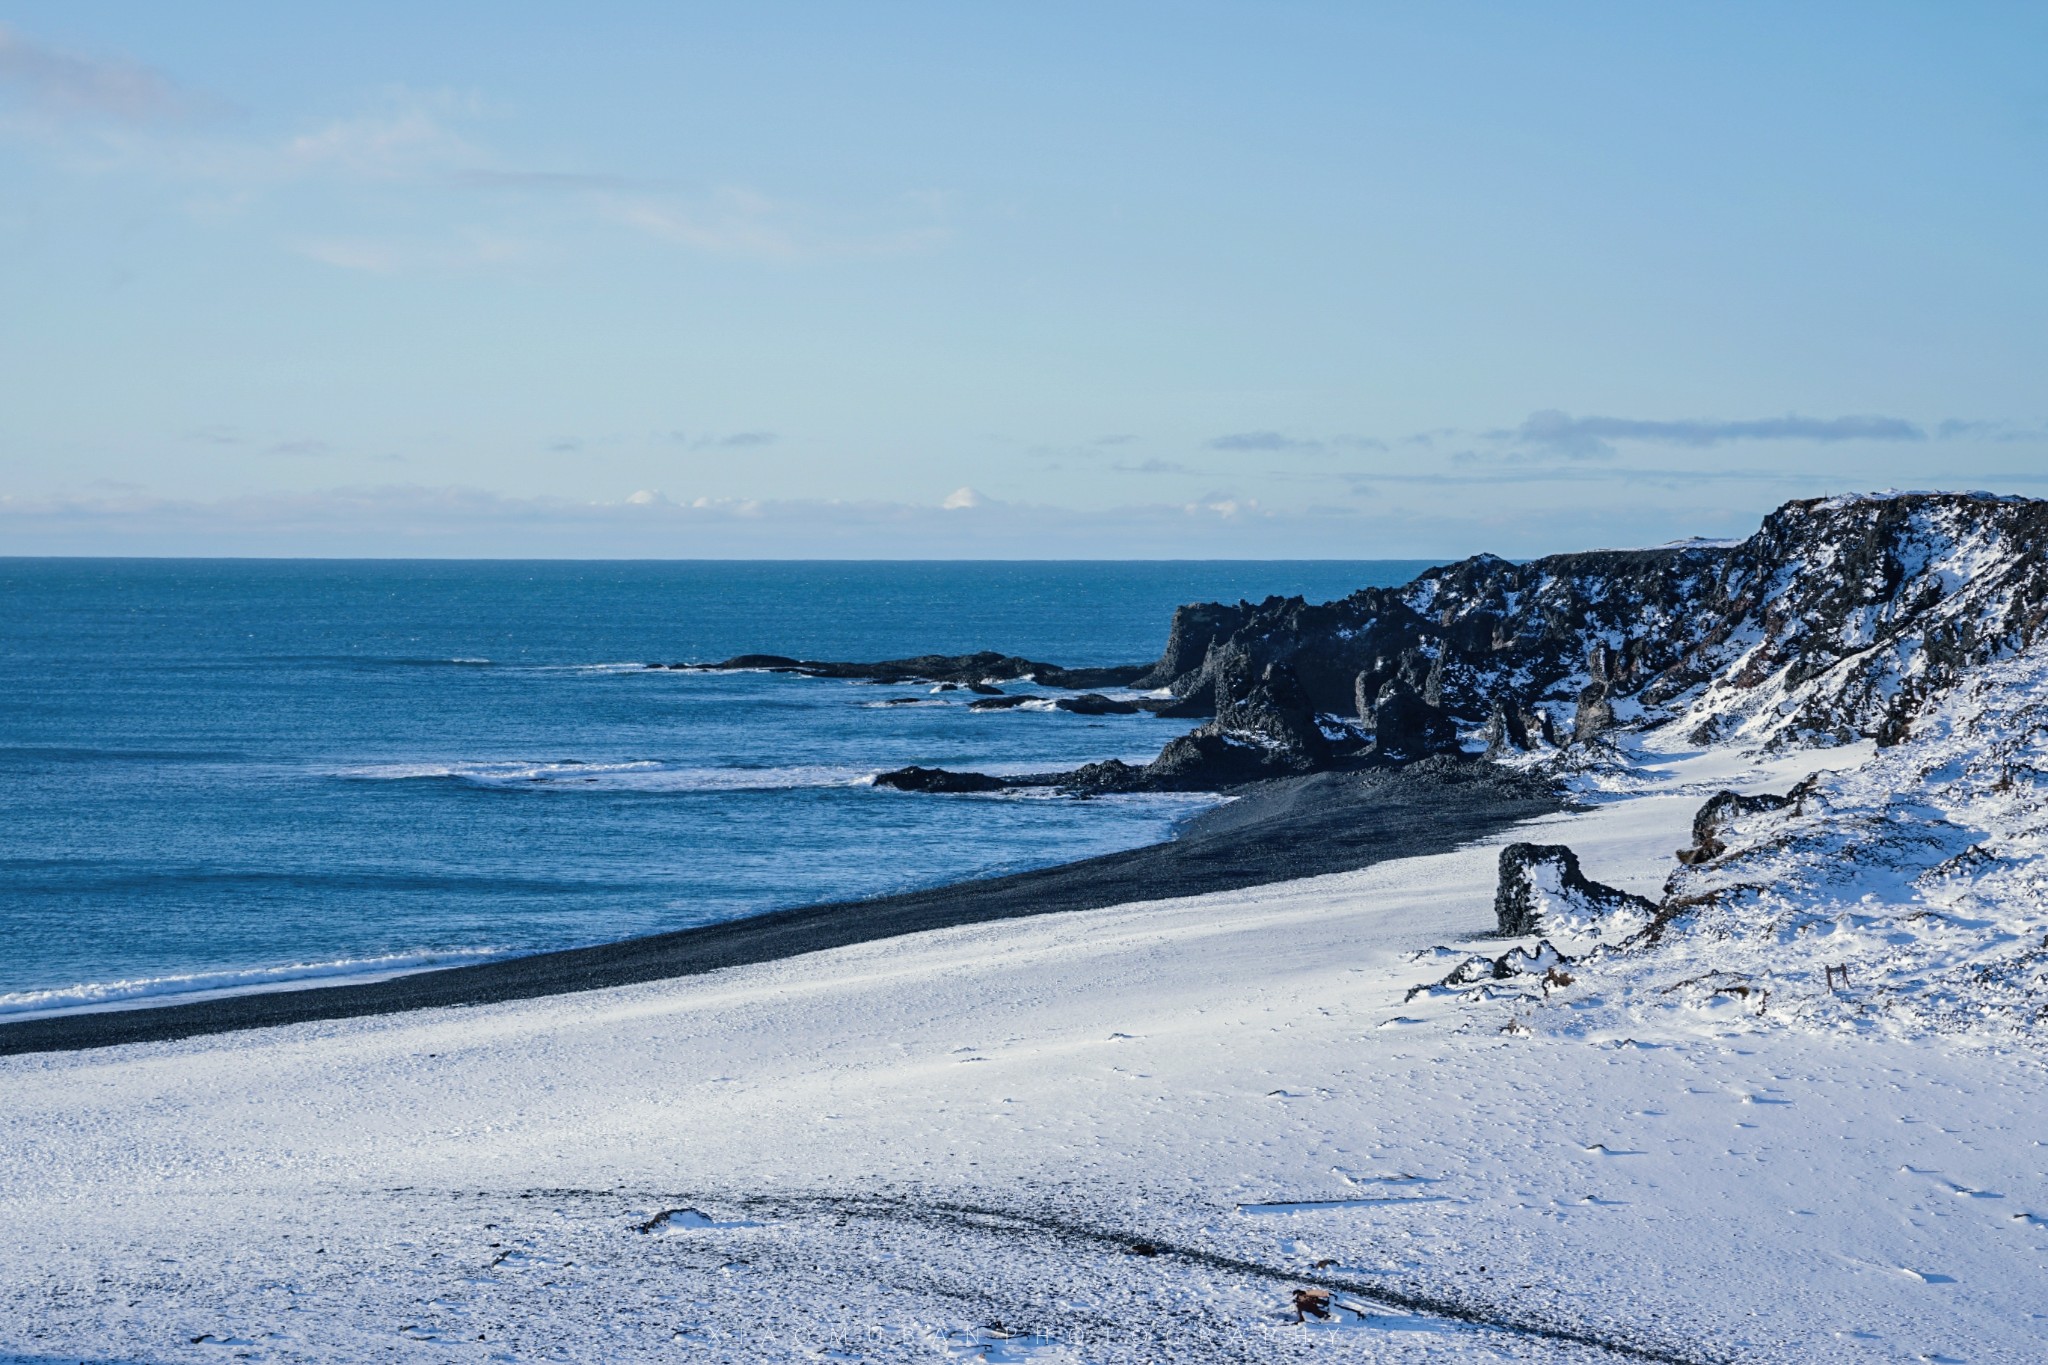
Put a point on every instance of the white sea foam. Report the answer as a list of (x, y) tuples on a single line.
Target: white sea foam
[(154, 990), (648, 775)]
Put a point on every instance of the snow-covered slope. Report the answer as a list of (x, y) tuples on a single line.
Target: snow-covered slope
[(1907, 893), (1905, 890)]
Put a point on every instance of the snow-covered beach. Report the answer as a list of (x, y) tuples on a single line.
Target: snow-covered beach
[(962, 1144)]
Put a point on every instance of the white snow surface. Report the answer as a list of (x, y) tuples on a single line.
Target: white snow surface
[(950, 1146)]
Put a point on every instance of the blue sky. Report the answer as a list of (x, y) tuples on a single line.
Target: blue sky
[(1191, 280)]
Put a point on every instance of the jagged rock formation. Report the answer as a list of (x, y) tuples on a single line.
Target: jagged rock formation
[(1723, 809), (915, 779), (1541, 887), (976, 672), (1837, 620), (1477, 969), (1840, 619)]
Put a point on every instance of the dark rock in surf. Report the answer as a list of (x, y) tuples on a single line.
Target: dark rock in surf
[(967, 670), (1095, 704), (916, 779)]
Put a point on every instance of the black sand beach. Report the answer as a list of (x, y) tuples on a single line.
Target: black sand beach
[(1275, 831)]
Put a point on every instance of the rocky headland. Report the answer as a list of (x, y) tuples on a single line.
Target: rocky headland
[(1839, 620)]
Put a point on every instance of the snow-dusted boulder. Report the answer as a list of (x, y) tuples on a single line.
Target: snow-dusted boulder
[(1542, 889)]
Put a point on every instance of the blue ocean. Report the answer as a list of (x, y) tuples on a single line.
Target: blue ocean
[(231, 774)]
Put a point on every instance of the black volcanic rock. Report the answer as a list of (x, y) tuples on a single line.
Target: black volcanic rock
[(1835, 608), (1594, 715), (1507, 731), (1095, 704), (1406, 727), (1530, 873), (966, 670), (1722, 809), (1838, 620), (916, 779), (1109, 776)]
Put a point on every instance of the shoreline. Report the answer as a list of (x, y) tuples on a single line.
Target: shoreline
[(1279, 830)]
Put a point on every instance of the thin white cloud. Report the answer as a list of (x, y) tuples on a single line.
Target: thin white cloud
[(2011, 433), (407, 141), (1578, 437), (417, 143), (456, 521), (1277, 442), (69, 85), (743, 222), (1263, 441), (369, 258), (732, 440)]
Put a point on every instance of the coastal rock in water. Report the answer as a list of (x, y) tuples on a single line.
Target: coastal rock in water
[(1541, 886), (965, 670), (914, 779), (1095, 704), (1840, 619), (1106, 778), (1265, 730), (998, 703)]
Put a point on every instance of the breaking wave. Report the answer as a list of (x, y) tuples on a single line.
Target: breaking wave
[(154, 990), (639, 775)]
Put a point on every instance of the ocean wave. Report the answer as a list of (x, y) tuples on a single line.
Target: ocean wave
[(366, 661), (587, 668), (152, 990), (639, 775), (89, 876)]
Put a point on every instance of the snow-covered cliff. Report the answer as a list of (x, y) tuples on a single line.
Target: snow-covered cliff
[(1840, 619)]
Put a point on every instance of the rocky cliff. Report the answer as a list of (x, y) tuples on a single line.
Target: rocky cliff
[(1839, 619)]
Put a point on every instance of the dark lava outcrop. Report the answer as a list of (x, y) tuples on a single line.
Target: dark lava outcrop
[(1533, 874), (914, 779), (1848, 611), (1838, 620), (976, 672)]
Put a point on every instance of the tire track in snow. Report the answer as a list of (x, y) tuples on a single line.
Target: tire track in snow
[(988, 1219)]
